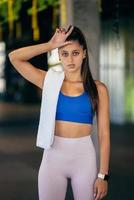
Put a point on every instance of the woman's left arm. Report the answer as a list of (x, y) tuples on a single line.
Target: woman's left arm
[(103, 126)]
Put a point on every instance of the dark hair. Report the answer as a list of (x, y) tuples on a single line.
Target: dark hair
[(88, 82)]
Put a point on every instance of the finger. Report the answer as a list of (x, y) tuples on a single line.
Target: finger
[(68, 42), (65, 43), (57, 30), (95, 191), (103, 195), (98, 196), (69, 30), (63, 29)]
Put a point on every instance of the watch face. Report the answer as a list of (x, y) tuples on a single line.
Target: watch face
[(103, 176)]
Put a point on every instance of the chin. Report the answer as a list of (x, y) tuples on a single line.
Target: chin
[(71, 69)]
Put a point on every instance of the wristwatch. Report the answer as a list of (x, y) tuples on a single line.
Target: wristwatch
[(103, 176)]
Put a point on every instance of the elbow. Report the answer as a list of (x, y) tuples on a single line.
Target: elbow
[(11, 56)]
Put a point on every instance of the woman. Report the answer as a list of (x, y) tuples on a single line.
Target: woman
[(72, 154)]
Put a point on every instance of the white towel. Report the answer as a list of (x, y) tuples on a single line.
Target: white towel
[(51, 87)]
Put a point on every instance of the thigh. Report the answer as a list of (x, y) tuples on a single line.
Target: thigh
[(52, 183), (83, 177)]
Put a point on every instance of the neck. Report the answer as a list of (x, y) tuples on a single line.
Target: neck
[(73, 81), (73, 78)]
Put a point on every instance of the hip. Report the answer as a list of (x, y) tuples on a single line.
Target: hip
[(73, 146)]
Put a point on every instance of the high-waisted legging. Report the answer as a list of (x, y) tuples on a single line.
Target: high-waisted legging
[(73, 158)]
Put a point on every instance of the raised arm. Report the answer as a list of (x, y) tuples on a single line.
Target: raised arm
[(19, 57)]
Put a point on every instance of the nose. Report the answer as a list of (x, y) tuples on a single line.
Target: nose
[(70, 59)]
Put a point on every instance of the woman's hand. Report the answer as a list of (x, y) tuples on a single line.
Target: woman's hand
[(59, 37), (100, 188)]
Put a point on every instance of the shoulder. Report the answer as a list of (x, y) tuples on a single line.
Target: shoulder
[(101, 87)]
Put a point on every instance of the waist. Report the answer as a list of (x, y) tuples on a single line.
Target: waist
[(68, 146), (72, 129)]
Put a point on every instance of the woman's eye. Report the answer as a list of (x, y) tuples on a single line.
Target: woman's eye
[(64, 54), (76, 53)]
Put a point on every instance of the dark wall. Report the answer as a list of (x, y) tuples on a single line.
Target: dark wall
[(17, 88)]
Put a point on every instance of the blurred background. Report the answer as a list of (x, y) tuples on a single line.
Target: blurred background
[(109, 29)]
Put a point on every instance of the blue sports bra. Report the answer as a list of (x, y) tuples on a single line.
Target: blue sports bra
[(75, 108)]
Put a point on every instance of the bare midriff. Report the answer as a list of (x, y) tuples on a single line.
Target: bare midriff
[(72, 129)]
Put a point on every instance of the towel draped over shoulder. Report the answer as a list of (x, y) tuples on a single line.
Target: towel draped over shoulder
[(51, 88)]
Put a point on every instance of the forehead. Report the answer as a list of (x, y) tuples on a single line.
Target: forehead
[(71, 47)]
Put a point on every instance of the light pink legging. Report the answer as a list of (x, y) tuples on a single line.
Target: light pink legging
[(72, 158)]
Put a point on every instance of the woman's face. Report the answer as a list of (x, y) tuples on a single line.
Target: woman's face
[(72, 56)]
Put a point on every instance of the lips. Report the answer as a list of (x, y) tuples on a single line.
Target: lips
[(71, 65)]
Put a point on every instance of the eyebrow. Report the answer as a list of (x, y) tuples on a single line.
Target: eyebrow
[(73, 50)]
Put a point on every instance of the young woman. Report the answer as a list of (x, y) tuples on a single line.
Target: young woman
[(72, 154)]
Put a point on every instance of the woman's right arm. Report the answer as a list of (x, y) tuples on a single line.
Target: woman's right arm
[(19, 59)]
